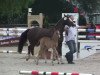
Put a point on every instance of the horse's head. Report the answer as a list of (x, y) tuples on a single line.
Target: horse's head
[(68, 20), (64, 21)]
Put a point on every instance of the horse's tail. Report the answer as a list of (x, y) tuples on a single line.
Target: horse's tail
[(22, 40)]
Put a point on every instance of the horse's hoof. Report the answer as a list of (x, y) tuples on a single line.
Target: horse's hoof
[(36, 63), (20, 52), (54, 59), (62, 63), (45, 62), (58, 63), (27, 59), (34, 60), (52, 64)]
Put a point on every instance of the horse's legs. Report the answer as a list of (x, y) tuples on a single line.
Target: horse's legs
[(30, 49), (59, 47), (57, 55)]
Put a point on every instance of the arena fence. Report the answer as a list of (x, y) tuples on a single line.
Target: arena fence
[(90, 33), (88, 30), (10, 36), (91, 42), (50, 73), (12, 31)]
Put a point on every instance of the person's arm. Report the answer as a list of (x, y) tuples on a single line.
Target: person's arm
[(66, 28)]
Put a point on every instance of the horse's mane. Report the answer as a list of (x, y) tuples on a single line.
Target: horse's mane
[(59, 23)]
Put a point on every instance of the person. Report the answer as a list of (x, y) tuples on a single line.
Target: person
[(69, 6), (91, 31), (82, 20), (70, 33), (92, 26)]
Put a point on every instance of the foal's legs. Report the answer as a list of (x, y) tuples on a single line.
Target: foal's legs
[(52, 56), (39, 54), (45, 55), (57, 55), (42, 51)]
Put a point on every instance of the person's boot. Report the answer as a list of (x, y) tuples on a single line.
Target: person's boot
[(67, 56), (71, 63), (71, 59)]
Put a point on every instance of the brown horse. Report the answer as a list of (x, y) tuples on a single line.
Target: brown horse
[(35, 34), (47, 43)]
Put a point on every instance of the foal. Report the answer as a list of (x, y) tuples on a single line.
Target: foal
[(47, 43)]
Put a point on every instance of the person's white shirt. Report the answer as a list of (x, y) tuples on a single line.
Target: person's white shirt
[(72, 33)]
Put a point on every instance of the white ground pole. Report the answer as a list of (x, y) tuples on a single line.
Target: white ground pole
[(10, 51), (50, 73)]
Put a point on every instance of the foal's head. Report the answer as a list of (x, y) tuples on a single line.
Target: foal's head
[(56, 35)]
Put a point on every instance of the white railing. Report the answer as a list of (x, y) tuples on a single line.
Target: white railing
[(89, 30), (84, 36), (85, 30), (11, 31)]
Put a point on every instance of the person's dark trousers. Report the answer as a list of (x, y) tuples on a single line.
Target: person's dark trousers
[(72, 47)]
